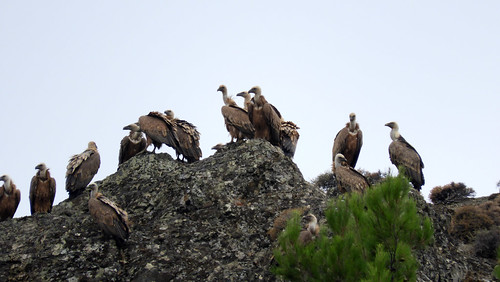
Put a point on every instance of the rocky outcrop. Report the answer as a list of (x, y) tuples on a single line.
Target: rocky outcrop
[(192, 222), (201, 221)]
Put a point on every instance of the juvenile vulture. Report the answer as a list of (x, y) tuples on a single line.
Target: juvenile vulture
[(264, 117), (42, 190), (311, 231), (188, 138), (403, 154), (289, 136), (81, 169), (110, 218), (348, 142), (236, 119), (348, 179), (131, 145), (10, 197)]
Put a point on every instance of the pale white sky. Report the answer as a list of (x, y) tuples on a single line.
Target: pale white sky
[(71, 72)]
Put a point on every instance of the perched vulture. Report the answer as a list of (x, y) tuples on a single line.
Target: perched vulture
[(188, 138), (236, 119), (348, 179), (348, 142), (10, 197), (131, 145), (81, 169), (110, 218), (311, 231), (264, 117), (158, 130), (42, 190), (403, 154), (289, 136)]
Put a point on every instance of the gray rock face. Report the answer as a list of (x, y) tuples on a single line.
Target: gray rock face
[(190, 222), (201, 221)]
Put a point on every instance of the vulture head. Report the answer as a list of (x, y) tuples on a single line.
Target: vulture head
[(92, 146), (41, 167), (255, 90), (133, 127), (170, 114), (243, 94), (222, 88), (352, 117), (395, 129), (6, 179), (340, 160), (93, 190)]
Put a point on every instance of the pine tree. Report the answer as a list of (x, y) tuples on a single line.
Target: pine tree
[(367, 237)]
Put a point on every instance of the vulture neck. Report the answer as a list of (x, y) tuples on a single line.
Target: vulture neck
[(352, 125), (7, 185), (224, 96), (42, 173), (312, 225), (135, 136), (338, 163), (395, 134)]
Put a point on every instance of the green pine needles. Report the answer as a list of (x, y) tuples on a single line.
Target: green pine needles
[(367, 237)]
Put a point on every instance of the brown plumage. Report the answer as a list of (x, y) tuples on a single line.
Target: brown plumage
[(289, 136), (348, 179), (81, 169), (402, 154), (158, 129), (236, 119), (111, 219), (311, 231), (131, 145), (42, 190), (281, 220), (348, 142), (10, 197), (188, 138), (264, 117)]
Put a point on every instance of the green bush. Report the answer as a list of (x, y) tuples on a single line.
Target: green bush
[(367, 237)]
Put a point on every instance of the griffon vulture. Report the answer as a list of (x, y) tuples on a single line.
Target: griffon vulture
[(158, 130), (110, 218), (311, 231), (131, 145), (188, 138), (348, 179), (42, 190), (264, 117), (289, 136), (348, 142), (81, 169), (236, 119), (10, 197), (403, 154)]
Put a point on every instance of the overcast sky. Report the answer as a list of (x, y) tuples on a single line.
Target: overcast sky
[(76, 71)]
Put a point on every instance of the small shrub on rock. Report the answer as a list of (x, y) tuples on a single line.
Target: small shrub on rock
[(450, 193), (486, 243), (467, 220)]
